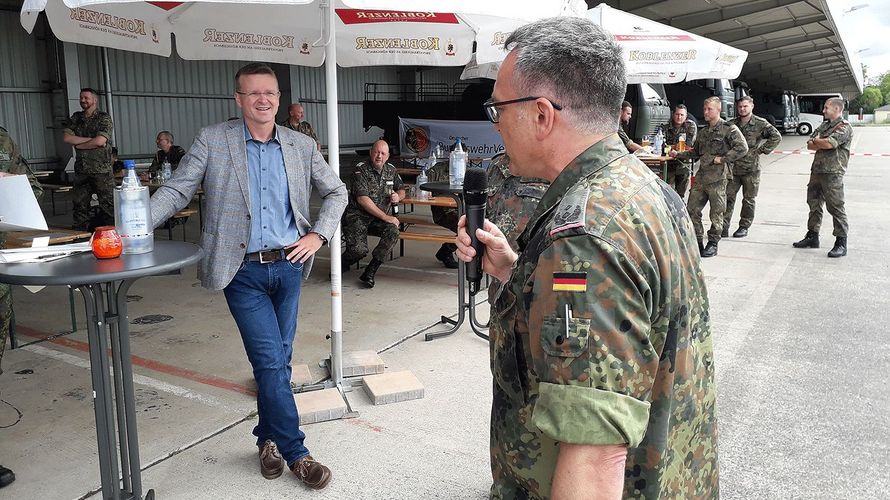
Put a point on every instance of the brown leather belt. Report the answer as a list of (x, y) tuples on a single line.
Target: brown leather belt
[(266, 257)]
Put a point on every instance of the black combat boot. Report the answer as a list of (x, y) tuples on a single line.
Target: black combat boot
[(701, 247), (6, 476), (840, 248), (741, 232), (367, 277), (347, 263), (710, 249), (445, 256), (811, 240), (725, 232)]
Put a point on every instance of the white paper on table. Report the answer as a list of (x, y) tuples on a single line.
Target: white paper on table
[(45, 254), (18, 206), (38, 242)]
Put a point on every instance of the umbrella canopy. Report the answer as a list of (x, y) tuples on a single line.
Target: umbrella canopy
[(657, 53), (290, 32)]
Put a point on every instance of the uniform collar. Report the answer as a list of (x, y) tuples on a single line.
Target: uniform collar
[(588, 163)]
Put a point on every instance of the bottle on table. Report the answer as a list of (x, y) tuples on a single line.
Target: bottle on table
[(658, 143), (457, 165), (166, 171), (422, 179), (132, 213), (393, 204)]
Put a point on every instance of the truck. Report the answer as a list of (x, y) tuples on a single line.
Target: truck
[(811, 110), (694, 92), (778, 108), (650, 109)]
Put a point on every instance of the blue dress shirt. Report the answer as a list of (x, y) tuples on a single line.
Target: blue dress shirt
[(272, 223)]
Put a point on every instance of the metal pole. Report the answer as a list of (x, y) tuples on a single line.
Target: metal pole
[(330, 67), (106, 69)]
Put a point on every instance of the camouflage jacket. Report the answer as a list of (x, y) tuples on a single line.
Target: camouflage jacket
[(173, 156), (724, 140), (11, 162), (624, 137), (762, 139), (303, 128), (367, 181), (511, 202), (91, 161), (602, 335), (439, 173), (833, 161), (672, 137)]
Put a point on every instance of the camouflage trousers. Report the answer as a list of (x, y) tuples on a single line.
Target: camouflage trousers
[(447, 218), (750, 185), (357, 227), (678, 177), (85, 185), (827, 189), (713, 194), (5, 318)]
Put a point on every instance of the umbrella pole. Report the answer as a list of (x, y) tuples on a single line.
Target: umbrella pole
[(106, 69)]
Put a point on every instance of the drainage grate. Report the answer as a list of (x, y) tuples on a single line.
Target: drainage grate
[(151, 319)]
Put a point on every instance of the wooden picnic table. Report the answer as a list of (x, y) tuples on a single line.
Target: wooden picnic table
[(654, 162), (22, 239), (435, 201)]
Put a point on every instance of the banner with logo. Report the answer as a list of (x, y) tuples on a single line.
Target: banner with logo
[(418, 137)]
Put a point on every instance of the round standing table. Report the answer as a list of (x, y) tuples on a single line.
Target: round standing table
[(464, 304), (104, 285)]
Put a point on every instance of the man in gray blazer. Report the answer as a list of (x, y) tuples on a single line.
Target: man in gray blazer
[(259, 245)]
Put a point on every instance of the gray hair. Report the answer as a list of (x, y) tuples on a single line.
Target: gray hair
[(576, 63), (837, 102)]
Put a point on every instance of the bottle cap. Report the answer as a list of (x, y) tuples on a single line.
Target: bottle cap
[(129, 163)]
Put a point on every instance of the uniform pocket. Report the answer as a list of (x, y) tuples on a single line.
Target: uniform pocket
[(562, 341)]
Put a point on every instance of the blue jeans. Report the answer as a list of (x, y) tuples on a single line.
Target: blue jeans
[(264, 299)]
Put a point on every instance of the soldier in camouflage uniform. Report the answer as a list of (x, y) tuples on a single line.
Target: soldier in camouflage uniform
[(167, 151), (717, 146), (678, 171), (370, 211), (600, 340), (511, 202), (295, 122), (444, 216), (11, 163), (89, 131), (762, 139), (626, 114), (831, 142)]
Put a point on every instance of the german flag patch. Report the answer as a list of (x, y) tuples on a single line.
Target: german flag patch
[(569, 282)]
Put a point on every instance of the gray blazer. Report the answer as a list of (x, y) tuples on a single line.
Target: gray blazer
[(218, 160)]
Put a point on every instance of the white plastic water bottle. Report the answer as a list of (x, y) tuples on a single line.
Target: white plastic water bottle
[(166, 171), (457, 166), (132, 215), (422, 178), (658, 142)]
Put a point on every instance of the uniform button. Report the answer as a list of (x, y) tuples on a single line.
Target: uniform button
[(248, 216), (560, 339), (242, 245)]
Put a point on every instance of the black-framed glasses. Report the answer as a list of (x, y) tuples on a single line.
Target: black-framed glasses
[(269, 94), (491, 106)]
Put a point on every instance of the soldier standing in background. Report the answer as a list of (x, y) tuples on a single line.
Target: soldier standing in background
[(831, 142), (11, 163), (716, 147), (678, 172), (762, 139), (295, 115), (89, 131)]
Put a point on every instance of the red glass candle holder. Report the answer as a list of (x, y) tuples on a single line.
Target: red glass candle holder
[(106, 243)]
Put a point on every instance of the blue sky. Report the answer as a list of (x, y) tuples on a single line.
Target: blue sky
[(865, 28)]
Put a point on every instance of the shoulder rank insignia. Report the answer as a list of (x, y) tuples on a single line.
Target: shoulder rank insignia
[(569, 282)]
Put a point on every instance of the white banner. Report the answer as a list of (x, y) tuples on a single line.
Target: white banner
[(418, 137)]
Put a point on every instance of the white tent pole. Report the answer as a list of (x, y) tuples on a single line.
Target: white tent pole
[(330, 67), (109, 92)]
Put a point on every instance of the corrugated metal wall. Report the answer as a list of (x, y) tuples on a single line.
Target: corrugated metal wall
[(28, 77)]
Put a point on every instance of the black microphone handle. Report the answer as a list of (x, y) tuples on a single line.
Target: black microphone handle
[(475, 220)]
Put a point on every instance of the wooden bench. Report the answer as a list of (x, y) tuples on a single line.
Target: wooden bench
[(179, 218), (56, 188)]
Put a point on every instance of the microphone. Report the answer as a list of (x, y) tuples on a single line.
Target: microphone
[(475, 197)]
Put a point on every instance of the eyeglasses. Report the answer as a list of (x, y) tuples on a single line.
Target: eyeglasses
[(491, 106), (269, 94)]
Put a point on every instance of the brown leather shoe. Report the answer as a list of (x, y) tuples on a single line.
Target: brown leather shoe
[(271, 463), (312, 473)]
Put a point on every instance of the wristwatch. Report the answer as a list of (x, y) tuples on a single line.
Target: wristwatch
[(324, 241)]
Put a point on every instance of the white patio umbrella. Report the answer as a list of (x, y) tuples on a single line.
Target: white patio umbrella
[(657, 53), (306, 33)]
